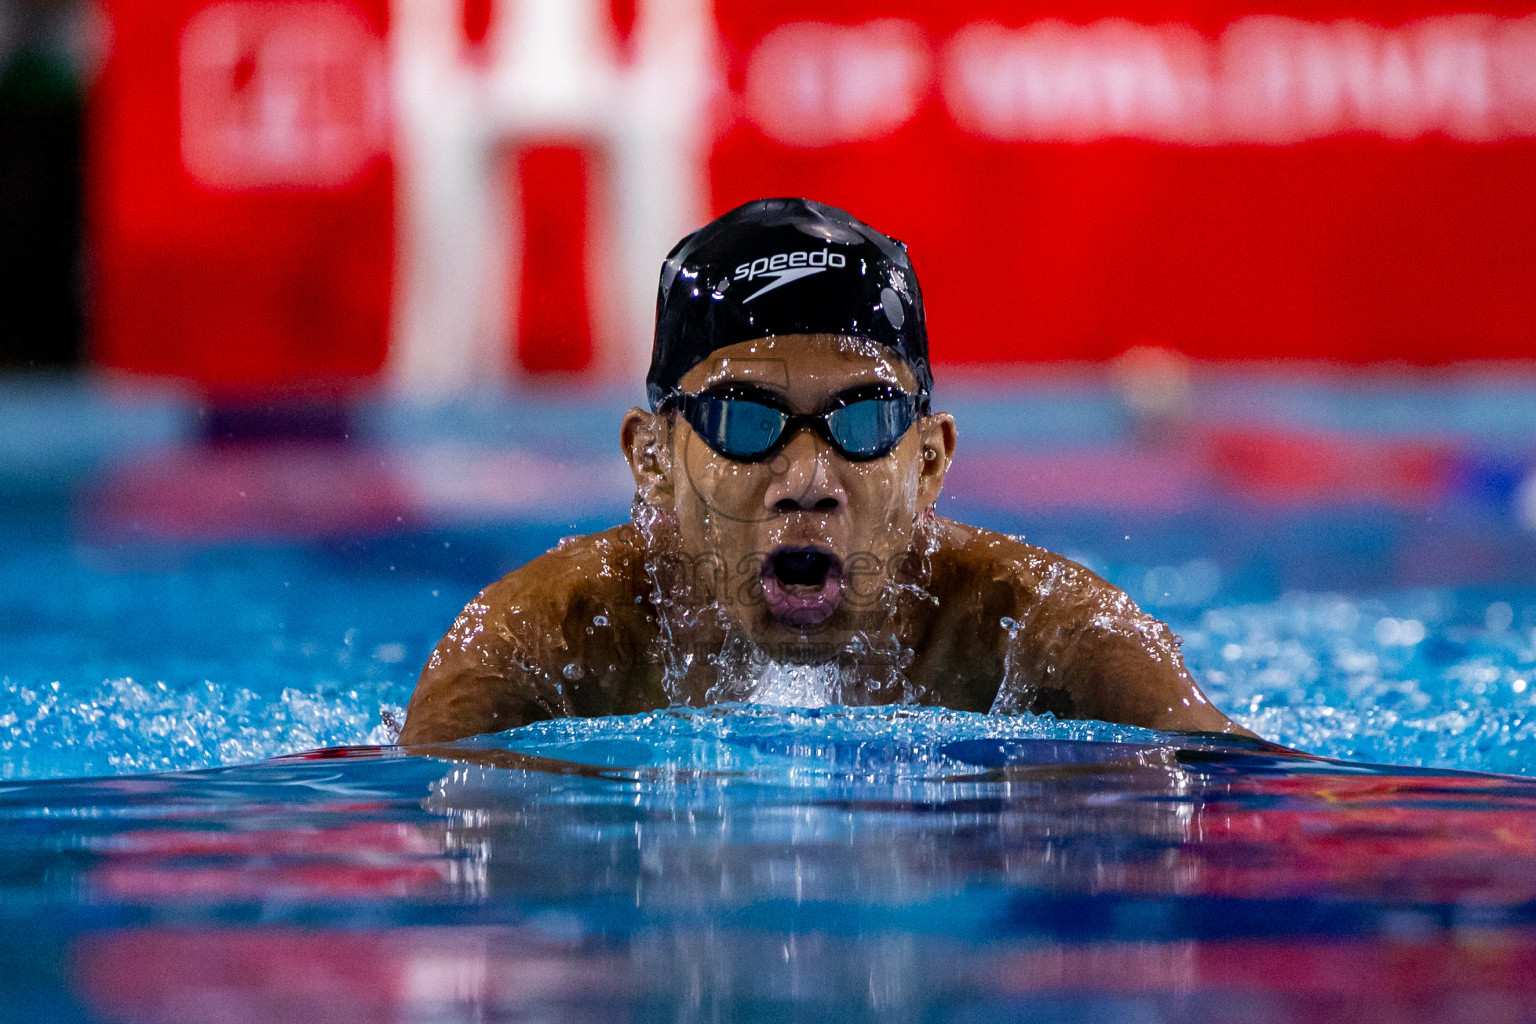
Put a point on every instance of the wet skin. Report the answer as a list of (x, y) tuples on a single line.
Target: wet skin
[(577, 631)]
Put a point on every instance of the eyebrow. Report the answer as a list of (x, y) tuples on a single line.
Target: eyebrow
[(874, 389), (855, 392), (720, 377)]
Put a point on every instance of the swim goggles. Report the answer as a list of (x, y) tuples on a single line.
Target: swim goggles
[(749, 424)]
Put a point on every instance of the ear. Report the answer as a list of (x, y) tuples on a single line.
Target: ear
[(937, 434), (646, 438)]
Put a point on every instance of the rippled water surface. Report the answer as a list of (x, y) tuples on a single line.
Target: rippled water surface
[(170, 602), (1350, 566), (235, 653), (744, 864)]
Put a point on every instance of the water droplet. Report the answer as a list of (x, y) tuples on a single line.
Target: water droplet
[(572, 671)]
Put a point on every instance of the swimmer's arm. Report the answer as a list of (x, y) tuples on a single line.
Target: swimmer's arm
[(1115, 678), (483, 675), (524, 650), (468, 691), (448, 707), (1093, 654)]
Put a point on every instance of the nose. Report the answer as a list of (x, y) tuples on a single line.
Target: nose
[(808, 483)]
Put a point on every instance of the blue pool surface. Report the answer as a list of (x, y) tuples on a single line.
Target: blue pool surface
[(168, 603), (743, 864), (186, 618)]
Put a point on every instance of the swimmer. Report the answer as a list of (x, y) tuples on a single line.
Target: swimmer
[(784, 547)]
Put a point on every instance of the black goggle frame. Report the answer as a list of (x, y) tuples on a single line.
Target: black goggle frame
[(695, 409)]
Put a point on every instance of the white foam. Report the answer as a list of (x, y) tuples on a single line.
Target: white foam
[(795, 686)]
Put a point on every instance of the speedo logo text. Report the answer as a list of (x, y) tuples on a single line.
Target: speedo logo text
[(785, 267)]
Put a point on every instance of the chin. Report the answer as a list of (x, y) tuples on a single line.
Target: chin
[(802, 644)]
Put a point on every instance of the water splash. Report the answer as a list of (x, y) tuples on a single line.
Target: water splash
[(707, 657), (1410, 678), (1031, 654), (796, 686), (892, 742), (124, 725)]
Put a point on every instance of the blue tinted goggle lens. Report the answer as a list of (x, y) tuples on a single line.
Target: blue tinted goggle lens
[(748, 430), (870, 428), (739, 428)]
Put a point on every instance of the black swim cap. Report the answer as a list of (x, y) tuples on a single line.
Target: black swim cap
[(784, 266)]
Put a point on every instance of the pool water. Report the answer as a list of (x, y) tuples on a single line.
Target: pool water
[(187, 615), (742, 864), (1351, 564)]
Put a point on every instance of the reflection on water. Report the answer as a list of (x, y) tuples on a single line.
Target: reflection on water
[(732, 864), (779, 828), (527, 974)]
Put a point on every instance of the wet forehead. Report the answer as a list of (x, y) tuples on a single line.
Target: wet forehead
[(802, 366)]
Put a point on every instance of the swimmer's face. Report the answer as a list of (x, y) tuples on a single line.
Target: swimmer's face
[(800, 547)]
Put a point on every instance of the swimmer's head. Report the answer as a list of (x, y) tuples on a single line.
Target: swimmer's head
[(790, 438), (785, 266)]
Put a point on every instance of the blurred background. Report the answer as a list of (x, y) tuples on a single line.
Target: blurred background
[(427, 195), (316, 315)]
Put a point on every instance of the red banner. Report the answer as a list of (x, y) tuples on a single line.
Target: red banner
[(301, 193), (241, 192), (1318, 181)]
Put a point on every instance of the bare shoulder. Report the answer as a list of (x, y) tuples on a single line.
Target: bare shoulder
[(969, 556), (596, 567), (525, 613), (1078, 646), (500, 663)]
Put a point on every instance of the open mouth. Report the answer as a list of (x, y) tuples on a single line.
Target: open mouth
[(802, 586)]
